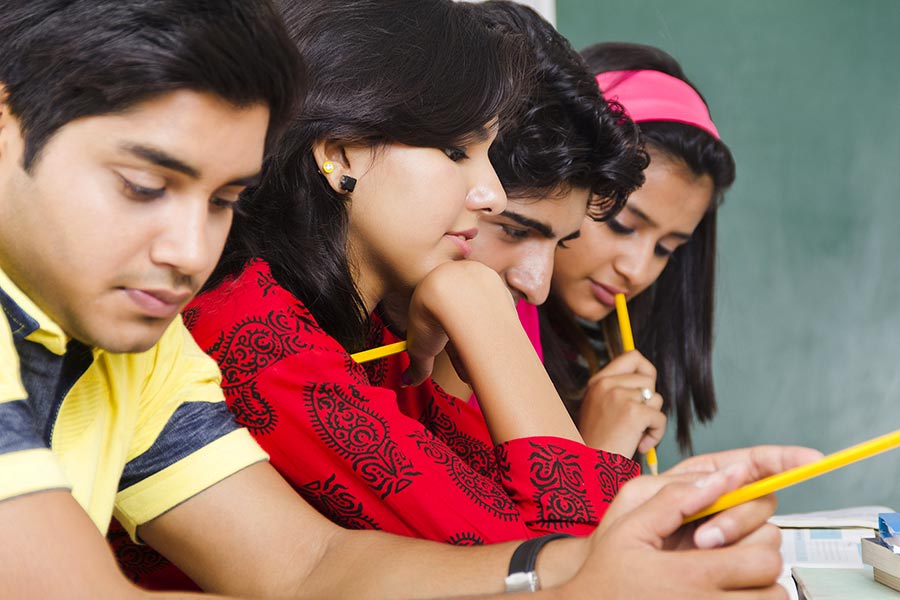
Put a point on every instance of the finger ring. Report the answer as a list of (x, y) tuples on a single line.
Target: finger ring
[(646, 394)]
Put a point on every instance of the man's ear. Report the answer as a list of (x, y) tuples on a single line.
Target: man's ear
[(5, 117), (12, 142), (331, 157)]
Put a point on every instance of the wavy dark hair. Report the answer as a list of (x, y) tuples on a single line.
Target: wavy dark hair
[(418, 72), (67, 59), (567, 135), (676, 312)]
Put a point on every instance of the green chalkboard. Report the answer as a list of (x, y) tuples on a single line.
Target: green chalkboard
[(807, 94)]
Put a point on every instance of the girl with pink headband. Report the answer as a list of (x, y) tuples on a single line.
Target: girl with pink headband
[(660, 252)]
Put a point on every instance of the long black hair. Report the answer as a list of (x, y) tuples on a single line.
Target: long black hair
[(418, 72), (676, 312), (567, 135)]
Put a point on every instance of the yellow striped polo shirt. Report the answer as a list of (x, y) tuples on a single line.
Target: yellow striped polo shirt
[(130, 434)]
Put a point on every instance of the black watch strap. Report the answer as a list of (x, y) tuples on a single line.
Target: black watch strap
[(522, 577)]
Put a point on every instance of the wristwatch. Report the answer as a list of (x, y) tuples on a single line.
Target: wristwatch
[(522, 576)]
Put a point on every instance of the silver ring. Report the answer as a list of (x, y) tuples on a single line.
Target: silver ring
[(646, 394)]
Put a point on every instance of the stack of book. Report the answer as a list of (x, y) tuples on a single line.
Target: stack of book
[(883, 551)]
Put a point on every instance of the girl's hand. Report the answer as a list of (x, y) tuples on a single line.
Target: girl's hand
[(468, 303), (621, 411), (462, 296)]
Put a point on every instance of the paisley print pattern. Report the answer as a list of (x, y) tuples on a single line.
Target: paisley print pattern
[(477, 454), (339, 415), (253, 344), (485, 492), (465, 539), (370, 453), (335, 501)]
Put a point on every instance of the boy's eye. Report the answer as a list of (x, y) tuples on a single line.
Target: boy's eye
[(618, 227), (456, 153), (140, 192), (514, 232)]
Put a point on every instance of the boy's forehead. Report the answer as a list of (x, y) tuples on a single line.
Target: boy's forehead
[(192, 133), (557, 214)]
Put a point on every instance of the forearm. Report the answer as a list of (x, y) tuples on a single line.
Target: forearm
[(49, 548), (368, 564), (516, 395)]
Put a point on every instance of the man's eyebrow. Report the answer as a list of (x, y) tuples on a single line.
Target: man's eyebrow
[(165, 160), (646, 218), (542, 228), (162, 159), (572, 236)]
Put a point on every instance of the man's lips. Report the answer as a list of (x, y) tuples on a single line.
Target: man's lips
[(158, 303)]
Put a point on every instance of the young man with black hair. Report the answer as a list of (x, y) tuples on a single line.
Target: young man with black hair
[(127, 132)]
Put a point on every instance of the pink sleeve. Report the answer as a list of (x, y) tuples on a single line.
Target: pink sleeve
[(528, 315)]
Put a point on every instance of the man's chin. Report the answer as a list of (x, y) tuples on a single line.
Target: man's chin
[(126, 339)]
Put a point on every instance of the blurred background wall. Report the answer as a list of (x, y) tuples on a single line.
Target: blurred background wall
[(807, 95)]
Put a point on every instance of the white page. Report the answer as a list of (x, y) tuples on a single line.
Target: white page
[(855, 516), (835, 548)]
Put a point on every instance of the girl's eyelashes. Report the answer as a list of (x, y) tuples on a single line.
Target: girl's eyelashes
[(231, 198), (223, 203), (662, 251), (456, 153), (620, 229)]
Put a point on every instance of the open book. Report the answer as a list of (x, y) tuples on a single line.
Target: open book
[(824, 539)]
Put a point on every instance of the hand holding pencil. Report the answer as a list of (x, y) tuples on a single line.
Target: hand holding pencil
[(620, 412), (628, 346)]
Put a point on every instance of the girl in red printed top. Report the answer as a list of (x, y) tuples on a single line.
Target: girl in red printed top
[(566, 154), (374, 192)]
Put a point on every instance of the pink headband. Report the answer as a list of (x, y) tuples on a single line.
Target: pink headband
[(655, 96)]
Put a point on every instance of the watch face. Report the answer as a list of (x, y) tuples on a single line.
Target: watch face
[(522, 582)]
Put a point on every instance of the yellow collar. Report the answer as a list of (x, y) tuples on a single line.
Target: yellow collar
[(27, 320)]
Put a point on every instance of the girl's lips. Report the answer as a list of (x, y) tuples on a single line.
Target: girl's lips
[(461, 244), (466, 234), (606, 295), (159, 304)]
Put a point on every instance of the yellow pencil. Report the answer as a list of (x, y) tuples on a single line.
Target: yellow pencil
[(780, 481), (380, 352), (628, 346)]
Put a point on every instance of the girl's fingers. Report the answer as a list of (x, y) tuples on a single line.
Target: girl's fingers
[(419, 370), (655, 402), (654, 430), (630, 362), (635, 381)]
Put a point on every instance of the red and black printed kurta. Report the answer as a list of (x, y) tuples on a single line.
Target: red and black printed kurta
[(429, 470), (425, 468)]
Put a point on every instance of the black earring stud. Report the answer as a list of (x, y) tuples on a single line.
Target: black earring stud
[(347, 183)]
